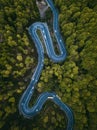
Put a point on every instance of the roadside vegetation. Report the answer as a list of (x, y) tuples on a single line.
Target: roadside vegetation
[(74, 80)]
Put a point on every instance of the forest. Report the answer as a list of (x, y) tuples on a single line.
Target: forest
[(74, 80)]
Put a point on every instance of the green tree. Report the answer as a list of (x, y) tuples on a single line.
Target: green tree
[(74, 80)]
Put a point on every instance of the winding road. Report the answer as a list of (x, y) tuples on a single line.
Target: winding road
[(24, 108)]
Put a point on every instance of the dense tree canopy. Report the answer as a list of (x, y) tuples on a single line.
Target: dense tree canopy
[(74, 80)]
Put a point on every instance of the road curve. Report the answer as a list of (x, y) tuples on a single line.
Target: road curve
[(24, 108)]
